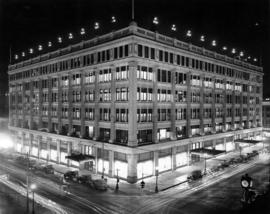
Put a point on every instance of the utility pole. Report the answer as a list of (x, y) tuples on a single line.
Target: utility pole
[(102, 176), (27, 183)]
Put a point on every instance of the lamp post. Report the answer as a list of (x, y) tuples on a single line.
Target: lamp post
[(156, 189), (33, 187), (204, 163), (117, 180), (27, 183), (102, 176)]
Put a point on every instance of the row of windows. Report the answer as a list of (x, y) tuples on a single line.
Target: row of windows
[(143, 94), (86, 60), (169, 57)]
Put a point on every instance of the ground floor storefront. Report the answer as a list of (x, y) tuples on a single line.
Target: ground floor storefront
[(131, 164)]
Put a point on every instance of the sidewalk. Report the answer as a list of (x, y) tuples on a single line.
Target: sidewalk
[(172, 178), (165, 180)]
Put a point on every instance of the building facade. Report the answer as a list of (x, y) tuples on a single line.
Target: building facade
[(266, 114), (133, 99)]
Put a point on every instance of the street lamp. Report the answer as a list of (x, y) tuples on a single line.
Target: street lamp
[(224, 48), (102, 176), (33, 187), (156, 172), (205, 163), (117, 181)]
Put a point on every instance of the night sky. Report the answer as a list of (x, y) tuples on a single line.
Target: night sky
[(242, 24)]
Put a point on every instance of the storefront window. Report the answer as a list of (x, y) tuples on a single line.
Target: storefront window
[(53, 155), (122, 168), (181, 159), (145, 169), (106, 166), (43, 154), (165, 163)]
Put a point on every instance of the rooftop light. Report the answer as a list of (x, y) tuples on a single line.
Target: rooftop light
[(96, 26), (214, 43), (59, 39), (70, 36), (202, 38), (189, 33), (82, 31), (155, 20), (173, 28), (40, 47), (113, 19)]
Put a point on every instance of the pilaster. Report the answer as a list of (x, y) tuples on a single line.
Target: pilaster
[(113, 99), (132, 105)]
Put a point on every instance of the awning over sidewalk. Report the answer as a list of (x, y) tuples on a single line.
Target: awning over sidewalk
[(206, 152), (247, 141), (80, 157)]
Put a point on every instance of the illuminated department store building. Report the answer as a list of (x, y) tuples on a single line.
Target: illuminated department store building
[(132, 101)]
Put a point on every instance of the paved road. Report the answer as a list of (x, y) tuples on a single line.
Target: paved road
[(213, 194), (222, 197)]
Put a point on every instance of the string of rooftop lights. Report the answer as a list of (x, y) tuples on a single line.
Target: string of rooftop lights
[(173, 28)]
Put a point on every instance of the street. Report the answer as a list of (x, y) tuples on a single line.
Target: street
[(220, 193)]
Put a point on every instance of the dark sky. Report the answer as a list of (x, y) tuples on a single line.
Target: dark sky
[(25, 24)]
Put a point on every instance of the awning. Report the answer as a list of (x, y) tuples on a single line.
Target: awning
[(80, 157), (206, 152), (247, 141)]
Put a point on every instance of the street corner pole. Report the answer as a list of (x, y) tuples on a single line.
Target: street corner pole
[(27, 185)]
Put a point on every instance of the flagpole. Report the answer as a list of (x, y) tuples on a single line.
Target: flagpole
[(133, 10)]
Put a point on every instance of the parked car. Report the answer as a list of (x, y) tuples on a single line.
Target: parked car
[(232, 161), (84, 179), (225, 164), (99, 184), (48, 169), (195, 175), (255, 152), (71, 175)]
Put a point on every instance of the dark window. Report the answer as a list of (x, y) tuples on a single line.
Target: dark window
[(126, 50), (146, 52), (171, 58), (140, 50), (160, 55), (115, 53), (152, 53), (166, 56), (121, 52)]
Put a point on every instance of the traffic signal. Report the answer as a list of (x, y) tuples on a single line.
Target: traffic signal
[(142, 184)]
